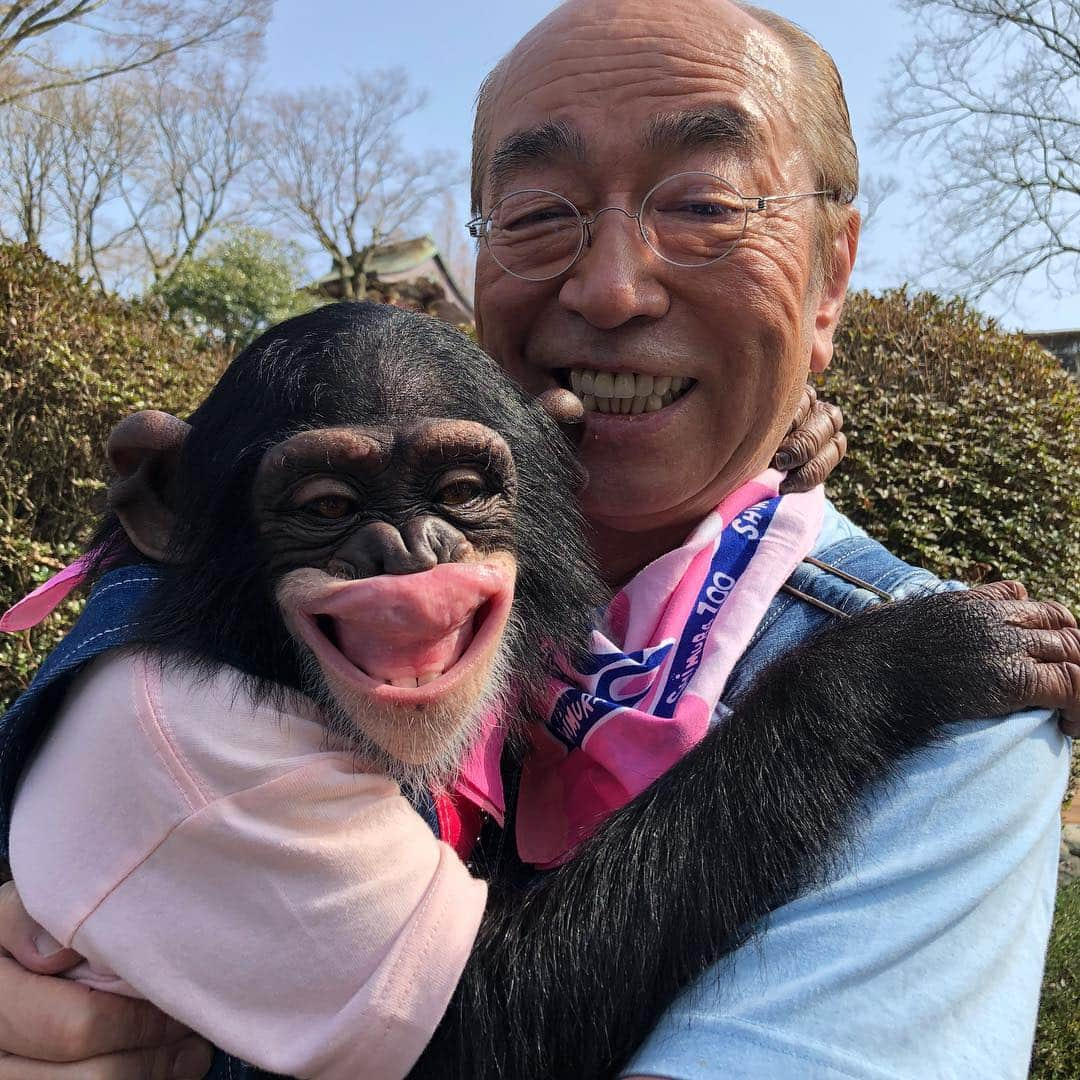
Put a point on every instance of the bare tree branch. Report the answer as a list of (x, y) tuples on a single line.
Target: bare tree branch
[(132, 174), (989, 93), (198, 141), (112, 37), (29, 147), (99, 129), (334, 167)]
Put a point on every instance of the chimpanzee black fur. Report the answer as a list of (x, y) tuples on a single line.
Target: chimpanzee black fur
[(567, 979), (352, 364), (569, 973)]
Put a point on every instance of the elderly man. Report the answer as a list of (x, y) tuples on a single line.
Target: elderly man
[(924, 958)]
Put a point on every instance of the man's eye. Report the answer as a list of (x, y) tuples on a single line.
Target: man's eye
[(538, 218), (531, 211), (330, 507), (704, 209)]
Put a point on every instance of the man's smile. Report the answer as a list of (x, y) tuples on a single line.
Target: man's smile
[(625, 393)]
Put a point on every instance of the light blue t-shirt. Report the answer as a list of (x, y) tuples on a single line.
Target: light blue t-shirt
[(923, 959)]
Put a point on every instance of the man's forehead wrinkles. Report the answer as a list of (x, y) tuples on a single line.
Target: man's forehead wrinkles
[(565, 76), (620, 65)]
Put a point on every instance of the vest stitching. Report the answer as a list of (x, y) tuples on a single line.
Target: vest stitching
[(90, 640), (121, 584)]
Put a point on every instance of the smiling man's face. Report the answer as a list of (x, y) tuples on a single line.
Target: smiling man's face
[(600, 102)]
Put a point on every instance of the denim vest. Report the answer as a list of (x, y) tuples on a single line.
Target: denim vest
[(831, 584)]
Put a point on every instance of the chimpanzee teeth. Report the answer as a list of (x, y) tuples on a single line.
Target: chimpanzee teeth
[(626, 393), (410, 682)]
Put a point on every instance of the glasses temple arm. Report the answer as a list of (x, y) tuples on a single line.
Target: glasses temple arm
[(762, 201)]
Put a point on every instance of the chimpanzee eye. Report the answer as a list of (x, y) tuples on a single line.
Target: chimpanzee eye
[(459, 487), (331, 507)]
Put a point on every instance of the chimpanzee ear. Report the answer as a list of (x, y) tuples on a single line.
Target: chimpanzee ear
[(143, 451)]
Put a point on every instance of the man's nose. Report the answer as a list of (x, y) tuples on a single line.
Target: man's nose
[(615, 278)]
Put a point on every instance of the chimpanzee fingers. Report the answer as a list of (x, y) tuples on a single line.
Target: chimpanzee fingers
[(1018, 610), (1059, 651), (1001, 590), (1037, 615), (804, 443), (562, 406), (806, 407), (1054, 646), (815, 472), (1052, 686)]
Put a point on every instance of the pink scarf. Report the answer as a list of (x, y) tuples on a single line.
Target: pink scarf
[(658, 664), (660, 659)]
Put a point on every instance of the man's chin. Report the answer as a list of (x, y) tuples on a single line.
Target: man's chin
[(641, 501)]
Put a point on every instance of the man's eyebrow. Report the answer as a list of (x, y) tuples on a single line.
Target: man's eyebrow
[(717, 126), (534, 146)]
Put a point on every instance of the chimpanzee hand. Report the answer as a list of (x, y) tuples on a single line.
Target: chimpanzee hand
[(1045, 664), (814, 445), (949, 656)]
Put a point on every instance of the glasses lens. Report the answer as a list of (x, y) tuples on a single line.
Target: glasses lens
[(693, 218), (534, 234)]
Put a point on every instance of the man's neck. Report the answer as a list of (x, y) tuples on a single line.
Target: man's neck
[(621, 554)]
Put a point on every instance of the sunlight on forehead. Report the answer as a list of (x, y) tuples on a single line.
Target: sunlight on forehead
[(768, 61)]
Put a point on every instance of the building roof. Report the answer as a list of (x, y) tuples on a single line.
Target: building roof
[(406, 261), (1064, 344)]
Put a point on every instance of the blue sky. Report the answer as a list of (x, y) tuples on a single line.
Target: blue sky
[(448, 47)]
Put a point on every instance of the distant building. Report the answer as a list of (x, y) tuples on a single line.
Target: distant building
[(411, 274), (1064, 344)]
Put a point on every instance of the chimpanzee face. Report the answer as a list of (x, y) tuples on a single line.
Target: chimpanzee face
[(367, 510), (391, 556)]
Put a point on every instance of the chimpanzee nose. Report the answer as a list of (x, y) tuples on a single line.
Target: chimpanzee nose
[(382, 548)]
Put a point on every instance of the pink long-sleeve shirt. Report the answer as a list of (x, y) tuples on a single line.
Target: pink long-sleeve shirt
[(216, 858)]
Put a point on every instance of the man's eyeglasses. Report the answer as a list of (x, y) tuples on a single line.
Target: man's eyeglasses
[(690, 219)]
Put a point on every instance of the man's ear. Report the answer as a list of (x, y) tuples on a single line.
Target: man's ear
[(833, 290), (143, 451)]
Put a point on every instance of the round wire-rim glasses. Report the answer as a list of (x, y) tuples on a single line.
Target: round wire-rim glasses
[(535, 216)]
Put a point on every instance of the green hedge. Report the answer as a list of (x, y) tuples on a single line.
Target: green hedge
[(965, 457), (1057, 1041), (964, 443), (72, 363)]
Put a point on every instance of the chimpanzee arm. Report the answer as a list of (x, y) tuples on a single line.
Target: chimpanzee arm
[(567, 979)]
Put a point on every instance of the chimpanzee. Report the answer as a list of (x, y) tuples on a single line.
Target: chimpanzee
[(366, 515)]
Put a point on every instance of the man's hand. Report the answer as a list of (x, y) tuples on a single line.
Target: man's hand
[(55, 1029), (814, 444)]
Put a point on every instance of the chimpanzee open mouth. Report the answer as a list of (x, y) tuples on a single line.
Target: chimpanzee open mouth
[(625, 393), (409, 635)]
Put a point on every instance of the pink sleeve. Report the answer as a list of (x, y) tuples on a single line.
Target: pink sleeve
[(310, 924)]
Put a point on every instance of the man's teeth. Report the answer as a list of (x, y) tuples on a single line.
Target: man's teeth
[(625, 392)]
